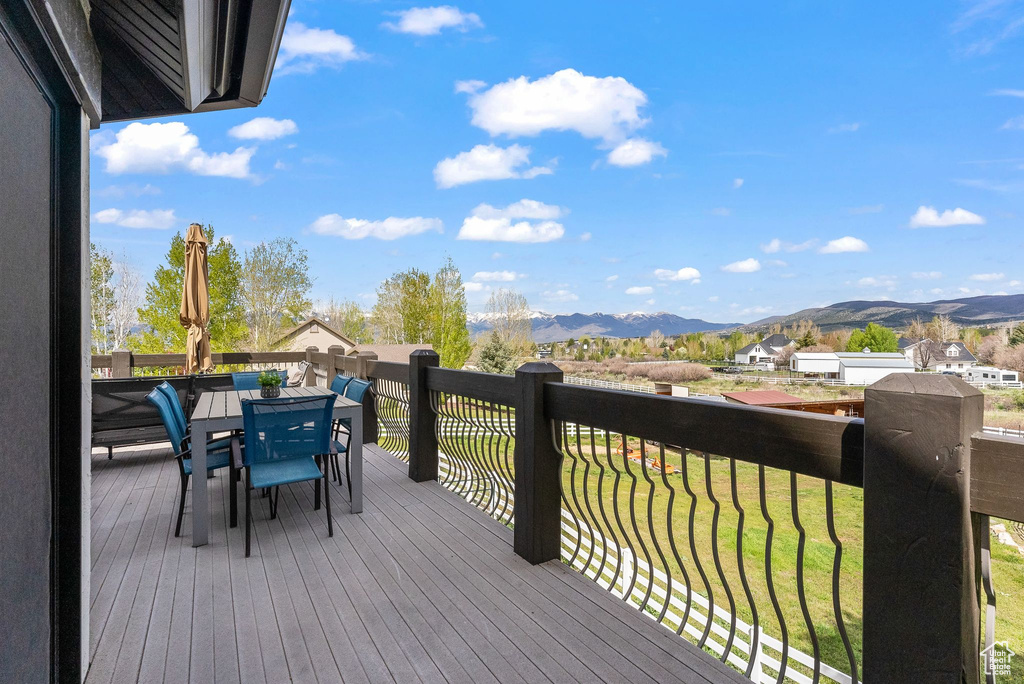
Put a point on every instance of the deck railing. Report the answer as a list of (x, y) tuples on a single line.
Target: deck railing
[(794, 546)]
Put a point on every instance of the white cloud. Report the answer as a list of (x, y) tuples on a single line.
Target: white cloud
[(429, 21), (390, 228), (635, 151), (885, 281), (988, 277), (845, 128), (928, 217), (611, 278), (778, 263), (585, 237), (469, 86), (685, 273), (473, 287), (649, 302), (523, 221), (608, 109), (486, 162), (843, 245), (137, 218), (745, 266), (1014, 123), (713, 298), (776, 245), (497, 276), (119, 191), (304, 49), (639, 290), (166, 147), (263, 128), (560, 296), (1008, 92), (720, 211), (926, 275), (1013, 283), (737, 183)]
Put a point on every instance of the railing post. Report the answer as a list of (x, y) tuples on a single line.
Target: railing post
[(331, 371), (422, 433), (369, 405), (538, 503), (920, 588), (121, 363), (309, 377)]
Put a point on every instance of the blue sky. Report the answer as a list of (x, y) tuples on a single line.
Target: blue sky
[(722, 162)]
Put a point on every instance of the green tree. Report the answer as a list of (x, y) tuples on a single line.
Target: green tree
[(275, 289), (875, 337), (448, 332), (159, 314), (497, 356), (1017, 336), (347, 318), (808, 339), (402, 312), (102, 297)]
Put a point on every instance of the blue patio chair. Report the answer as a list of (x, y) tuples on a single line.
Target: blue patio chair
[(246, 380), (218, 452), (339, 383), (355, 390), (286, 441)]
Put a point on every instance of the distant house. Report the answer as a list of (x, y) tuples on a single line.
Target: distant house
[(767, 349), (824, 364), (865, 368), (313, 332), (393, 353), (926, 354)]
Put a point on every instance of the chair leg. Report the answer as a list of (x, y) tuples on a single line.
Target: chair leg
[(273, 502), (327, 505), (248, 513), (348, 477), (110, 453), (181, 506), (316, 484), (234, 496)]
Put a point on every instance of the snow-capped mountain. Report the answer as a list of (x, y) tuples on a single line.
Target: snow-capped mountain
[(556, 327)]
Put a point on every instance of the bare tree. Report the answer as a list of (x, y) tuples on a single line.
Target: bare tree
[(990, 347), (925, 354), (510, 315), (782, 360), (345, 317), (917, 329), (124, 314), (943, 329), (655, 339)]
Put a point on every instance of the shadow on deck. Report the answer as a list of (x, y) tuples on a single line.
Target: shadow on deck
[(419, 587)]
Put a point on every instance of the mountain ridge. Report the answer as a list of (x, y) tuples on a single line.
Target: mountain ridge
[(966, 311)]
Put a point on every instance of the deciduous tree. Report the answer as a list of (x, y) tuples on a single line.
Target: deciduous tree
[(345, 317), (162, 330), (875, 337), (1017, 336), (449, 333), (497, 356), (510, 315), (275, 289)]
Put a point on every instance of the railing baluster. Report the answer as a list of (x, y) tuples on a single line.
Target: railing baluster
[(754, 633), (769, 578), (716, 556), (800, 590), (836, 567)]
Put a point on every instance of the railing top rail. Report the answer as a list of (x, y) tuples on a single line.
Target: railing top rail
[(997, 476), (826, 447), (498, 389), (388, 370), (219, 358)]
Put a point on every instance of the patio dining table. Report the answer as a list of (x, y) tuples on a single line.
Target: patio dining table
[(222, 411)]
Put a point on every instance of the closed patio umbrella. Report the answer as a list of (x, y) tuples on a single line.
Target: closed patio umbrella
[(195, 302)]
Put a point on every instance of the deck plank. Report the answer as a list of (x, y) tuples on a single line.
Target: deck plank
[(421, 587)]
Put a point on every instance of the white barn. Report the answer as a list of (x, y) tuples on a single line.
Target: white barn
[(865, 368), (825, 364)]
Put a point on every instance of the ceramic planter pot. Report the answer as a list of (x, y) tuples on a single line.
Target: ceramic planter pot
[(270, 391)]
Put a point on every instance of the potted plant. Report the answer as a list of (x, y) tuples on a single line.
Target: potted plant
[(270, 384)]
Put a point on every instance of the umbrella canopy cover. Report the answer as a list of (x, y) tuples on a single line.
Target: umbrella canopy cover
[(195, 302)]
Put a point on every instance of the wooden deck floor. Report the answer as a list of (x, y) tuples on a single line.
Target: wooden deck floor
[(419, 587)]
